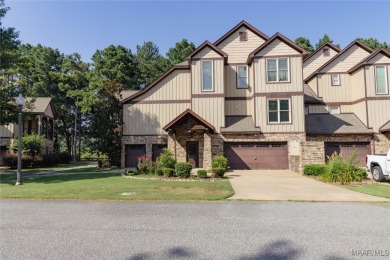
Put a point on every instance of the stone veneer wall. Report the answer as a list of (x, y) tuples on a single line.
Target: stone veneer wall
[(142, 139), (382, 143)]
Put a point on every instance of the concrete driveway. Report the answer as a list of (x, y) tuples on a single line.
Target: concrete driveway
[(287, 185)]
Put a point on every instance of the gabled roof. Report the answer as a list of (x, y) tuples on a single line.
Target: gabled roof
[(239, 124), (139, 93), (40, 105), (365, 61), (189, 112), (328, 44), (274, 37), (235, 28), (310, 96), (335, 124), (211, 46), (357, 42), (385, 127)]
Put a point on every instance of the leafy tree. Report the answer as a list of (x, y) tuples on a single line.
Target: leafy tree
[(304, 43), (9, 54), (180, 52), (324, 40), (374, 43), (150, 63)]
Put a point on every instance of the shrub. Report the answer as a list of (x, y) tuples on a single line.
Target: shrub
[(104, 163), (63, 157), (10, 159), (314, 169), (219, 161), (202, 173), (144, 164), (159, 171), (31, 144), (168, 172), (48, 160), (183, 169), (217, 172), (166, 160)]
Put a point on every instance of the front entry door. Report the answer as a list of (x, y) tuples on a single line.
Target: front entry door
[(193, 153)]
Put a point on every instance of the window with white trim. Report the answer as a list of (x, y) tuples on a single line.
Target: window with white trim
[(278, 111), (278, 70), (381, 84), (242, 76), (334, 110), (335, 79), (207, 75)]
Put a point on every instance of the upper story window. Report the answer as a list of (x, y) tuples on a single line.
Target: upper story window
[(207, 75), (242, 76), (334, 110), (335, 79), (278, 111), (278, 70), (381, 84), (243, 36), (326, 52)]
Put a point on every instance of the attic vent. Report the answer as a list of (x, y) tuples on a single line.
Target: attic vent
[(326, 51), (243, 36)]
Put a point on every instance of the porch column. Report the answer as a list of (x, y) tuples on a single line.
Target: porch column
[(39, 124), (207, 155)]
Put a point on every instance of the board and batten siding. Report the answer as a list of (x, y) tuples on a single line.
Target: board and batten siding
[(237, 50), (334, 93), (378, 113), (296, 115), (6, 131), (239, 107), (176, 86), (313, 85), (347, 60), (295, 84), (231, 89), (316, 61), (318, 109), (210, 109), (150, 118), (218, 77), (370, 79), (357, 85)]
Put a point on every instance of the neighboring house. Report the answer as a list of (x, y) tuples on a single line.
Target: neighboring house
[(260, 101), (40, 122)]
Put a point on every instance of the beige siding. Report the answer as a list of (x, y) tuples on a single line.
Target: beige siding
[(318, 110), (295, 84), (239, 107), (347, 60), (359, 110), (231, 82), (49, 112), (316, 61), (379, 58), (378, 113), (238, 51), (176, 86), (370, 78), (207, 53), (277, 48), (218, 77), (313, 85), (6, 130), (210, 109), (334, 93), (297, 116), (149, 119), (357, 85)]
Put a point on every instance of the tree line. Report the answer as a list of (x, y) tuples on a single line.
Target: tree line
[(89, 89)]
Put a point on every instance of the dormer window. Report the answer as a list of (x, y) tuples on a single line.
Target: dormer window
[(207, 75), (243, 36), (336, 80), (242, 76), (326, 52)]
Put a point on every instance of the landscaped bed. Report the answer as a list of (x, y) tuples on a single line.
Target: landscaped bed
[(111, 186)]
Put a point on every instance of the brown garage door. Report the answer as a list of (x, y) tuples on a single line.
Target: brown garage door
[(346, 149), (132, 152), (257, 156)]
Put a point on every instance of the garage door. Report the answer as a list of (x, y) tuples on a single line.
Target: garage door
[(132, 152), (257, 156), (346, 149)]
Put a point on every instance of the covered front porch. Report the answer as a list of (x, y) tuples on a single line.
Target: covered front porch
[(189, 139)]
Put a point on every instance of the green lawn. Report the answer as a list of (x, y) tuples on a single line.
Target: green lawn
[(60, 167), (110, 186), (380, 190)]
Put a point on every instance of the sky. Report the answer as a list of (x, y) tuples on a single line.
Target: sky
[(84, 26)]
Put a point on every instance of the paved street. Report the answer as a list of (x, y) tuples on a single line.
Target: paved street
[(191, 230)]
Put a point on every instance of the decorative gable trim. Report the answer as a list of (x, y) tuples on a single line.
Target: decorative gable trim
[(189, 112), (211, 46)]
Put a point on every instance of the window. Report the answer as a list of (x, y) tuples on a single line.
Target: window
[(277, 70), (335, 79), (334, 110), (326, 52), (381, 86), (306, 110), (243, 36), (279, 111), (207, 75), (242, 76)]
